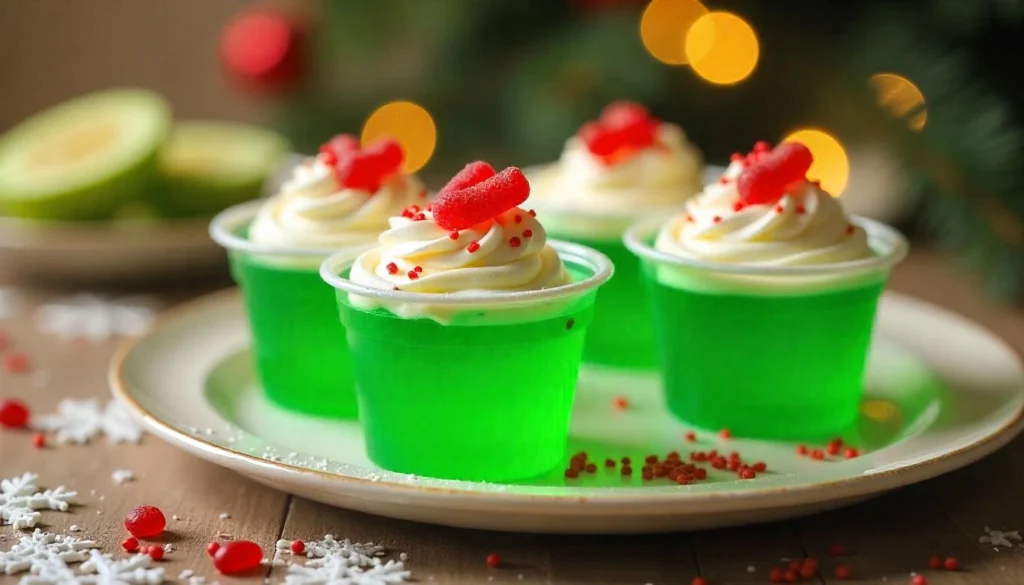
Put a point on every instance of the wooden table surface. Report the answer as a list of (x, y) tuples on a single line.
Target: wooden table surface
[(887, 538)]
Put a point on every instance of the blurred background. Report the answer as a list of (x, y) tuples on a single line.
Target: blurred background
[(913, 108)]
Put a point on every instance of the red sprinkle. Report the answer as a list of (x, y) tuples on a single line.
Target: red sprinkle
[(817, 454), (454, 235), (155, 552), (39, 440), (760, 467), (493, 560), (625, 461), (951, 564), (849, 230), (145, 522), (800, 209), (572, 473), (626, 469), (738, 206), (413, 275), (591, 468), (651, 459), (620, 403), (514, 242), (527, 233), (609, 463), (298, 547), (237, 556), (723, 180), (801, 449), (13, 413), (473, 247), (851, 453), (16, 363), (717, 219), (211, 549), (747, 474), (842, 572), (725, 434), (418, 268), (532, 213), (690, 436), (392, 268), (130, 544), (779, 209)]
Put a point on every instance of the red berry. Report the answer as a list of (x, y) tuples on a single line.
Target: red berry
[(298, 547), (237, 556), (699, 581), (470, 175), (493, 560), (13, 413), (951, 564), (145, 522), (155, 552), (919, 580), (842, 572), (212, 548), (464, 208), (777, 575), (837, 550), (130, 544), (39, 440)]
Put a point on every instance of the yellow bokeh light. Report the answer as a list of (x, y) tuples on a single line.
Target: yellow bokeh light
[(409, 124), (722, 48), (831, 165), (663, 27), (900, 97)]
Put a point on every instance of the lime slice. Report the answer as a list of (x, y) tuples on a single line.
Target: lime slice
[(83, 158), (208, 166)]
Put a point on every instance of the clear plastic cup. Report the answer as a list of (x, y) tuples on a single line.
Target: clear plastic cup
[(771, 352), (480, 390), (301, 354)]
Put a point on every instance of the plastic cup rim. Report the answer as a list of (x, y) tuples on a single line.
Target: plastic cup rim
[(894, 245), (599, 264), (224, 230)]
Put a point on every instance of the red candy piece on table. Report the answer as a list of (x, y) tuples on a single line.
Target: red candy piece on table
[(145, 522), (765, 181), (237, 556), (13, 414), (471, 174), (464, 208)]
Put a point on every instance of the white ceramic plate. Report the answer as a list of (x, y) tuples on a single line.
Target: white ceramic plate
[(941, 393)]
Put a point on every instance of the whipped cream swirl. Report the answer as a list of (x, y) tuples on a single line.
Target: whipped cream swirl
[(807, 226), (313, 211), (506, 254), (664, 175)]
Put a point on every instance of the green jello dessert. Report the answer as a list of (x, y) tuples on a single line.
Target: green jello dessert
[(276, 247), (466, 328), (625, 166), (764, 294), (208, 166), (83, 159)]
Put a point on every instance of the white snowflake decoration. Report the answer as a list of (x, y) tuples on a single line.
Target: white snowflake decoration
[(1000, 538), (96, 318), (80, 421), (103, 569), (20, 497), (41, 552), (342, 562)]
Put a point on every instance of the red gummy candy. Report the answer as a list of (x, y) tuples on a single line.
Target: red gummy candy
[(145, 522), (386, 154), (622, 127), (13, 414), (341, 145), (471, 174), (464, 208), (237, 556), (367, 168), (766, 180)]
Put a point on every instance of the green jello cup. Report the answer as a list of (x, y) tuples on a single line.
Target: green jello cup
[(302, 357), (621, 334), (768, 352), (468, 386)]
